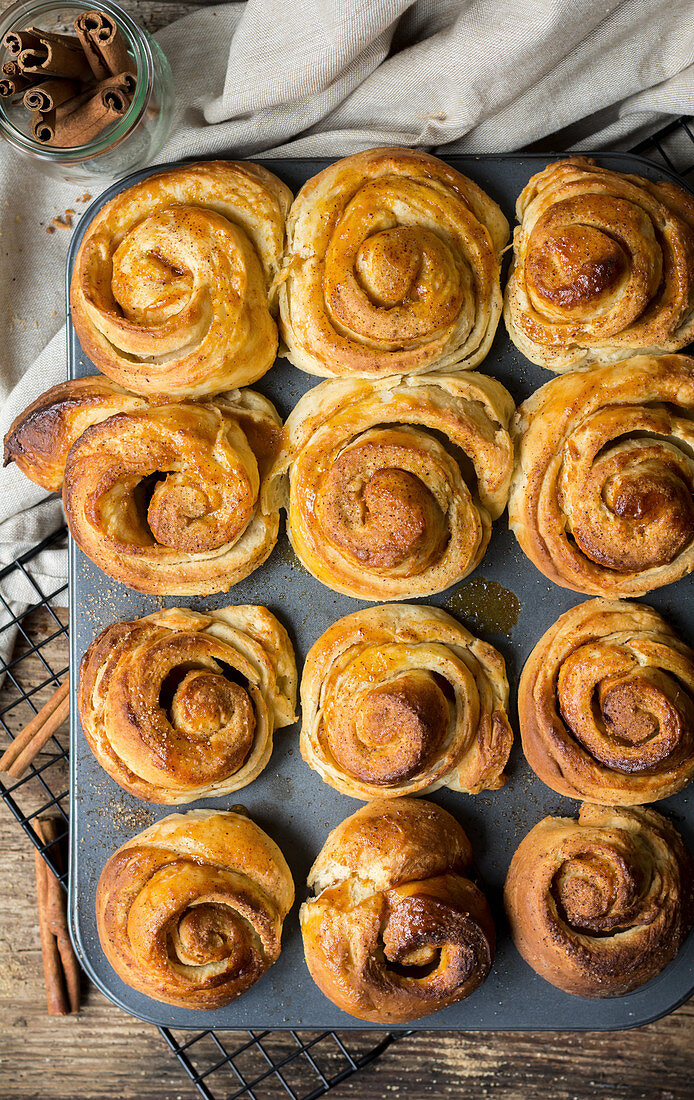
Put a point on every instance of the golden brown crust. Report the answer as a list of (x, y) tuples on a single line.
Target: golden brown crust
[(606, 705), (39, 438), (190, 911), (603, 267), (392, 267), (378, 507), (600, 905), (397, 930), (165, 498), (172, 290), (602, 494), (402, 699), (163, 714)]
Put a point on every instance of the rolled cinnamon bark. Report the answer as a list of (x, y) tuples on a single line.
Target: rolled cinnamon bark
[(103, 45), (52, 55), (17, 41), (13, 81), (105, 105), (49, 94)]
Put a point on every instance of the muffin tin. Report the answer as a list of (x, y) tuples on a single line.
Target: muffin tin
[(506, 601)]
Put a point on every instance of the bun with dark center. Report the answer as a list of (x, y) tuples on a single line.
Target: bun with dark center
[(606, 705), (392, 267), (165, 498), (602, 498), (402, 699), (179, 705), (601, 905), (391, 487), (172, 292), (190, 911), (396, 930), (603, 267)]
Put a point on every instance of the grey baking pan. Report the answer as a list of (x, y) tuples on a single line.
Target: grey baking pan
[(507, 601)]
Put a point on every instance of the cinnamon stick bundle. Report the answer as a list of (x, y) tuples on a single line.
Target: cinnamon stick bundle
[(60, 966), (103, 45), (74, 87), (79, 121)]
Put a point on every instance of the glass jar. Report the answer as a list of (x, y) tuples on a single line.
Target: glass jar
[(126, 145)]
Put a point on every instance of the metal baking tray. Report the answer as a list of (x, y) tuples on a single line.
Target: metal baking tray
[(292, 803)]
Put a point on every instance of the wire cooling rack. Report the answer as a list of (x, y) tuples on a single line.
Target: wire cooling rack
[(246, 1065)]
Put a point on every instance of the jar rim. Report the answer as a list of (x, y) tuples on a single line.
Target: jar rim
[(138, 41)]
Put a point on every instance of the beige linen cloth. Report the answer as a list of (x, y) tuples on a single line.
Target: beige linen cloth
[(327, 77)]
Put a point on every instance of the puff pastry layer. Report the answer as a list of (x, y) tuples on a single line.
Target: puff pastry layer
[(602, 499), (190, 911), (378, 505), (397, 929), (606, 705), (600, 905), (603, 267), (179, 705), (165, 498), (402, 699), (172, 290), (392, 267)]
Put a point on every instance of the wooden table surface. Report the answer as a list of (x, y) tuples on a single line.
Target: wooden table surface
[(105, 1053)]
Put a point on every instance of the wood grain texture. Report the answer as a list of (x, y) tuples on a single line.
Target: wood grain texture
[(104, 1053)]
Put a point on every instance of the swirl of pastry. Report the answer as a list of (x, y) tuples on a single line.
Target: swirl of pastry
[(602, 494), (598, 906), (402, 699), (172, 290), (190, 911), (179, 705), (379, 507), (603, 267), (396, 930), (165, 498), (392, 267), (606, 705)]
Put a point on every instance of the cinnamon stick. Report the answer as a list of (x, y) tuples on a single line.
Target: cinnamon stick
[(108, 103), (26, 746), (49, 94), (53, 55), (16, 41), (60, 966), (13, 80), (103, 45)]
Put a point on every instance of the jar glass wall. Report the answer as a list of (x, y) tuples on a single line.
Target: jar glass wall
[(128, 144)]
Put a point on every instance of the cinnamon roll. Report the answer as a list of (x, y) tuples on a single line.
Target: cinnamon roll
[(165, 498), (190, 911), (179, 705), (396, 930), (606, 705), (172, 289), (602, 495), (379, 505), (392, 267), (402, 699), (603, 267), (601, 905)]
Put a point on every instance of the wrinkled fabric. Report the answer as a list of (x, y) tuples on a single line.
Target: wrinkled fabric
[(330, 77)]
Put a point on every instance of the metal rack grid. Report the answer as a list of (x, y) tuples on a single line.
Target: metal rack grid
[(249, 1065)]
